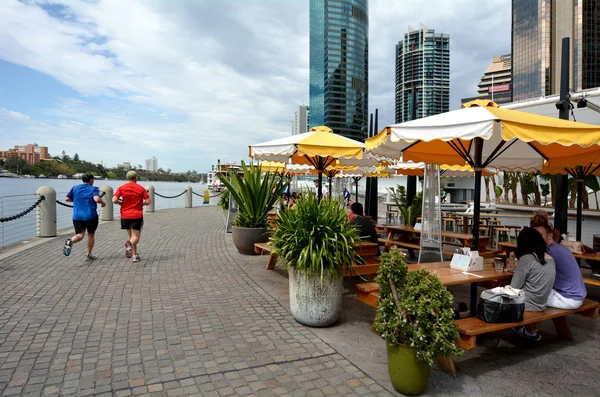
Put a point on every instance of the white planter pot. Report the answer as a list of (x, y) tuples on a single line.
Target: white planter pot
[(314, 303)]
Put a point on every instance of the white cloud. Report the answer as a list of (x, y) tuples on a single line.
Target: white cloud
[(193, 81)]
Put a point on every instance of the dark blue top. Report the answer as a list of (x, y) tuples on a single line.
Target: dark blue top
[(84, 206)]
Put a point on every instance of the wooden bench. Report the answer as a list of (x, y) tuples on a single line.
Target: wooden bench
[(591, 281), (368, 251), (469, 328), (368, 293), (266, 248)]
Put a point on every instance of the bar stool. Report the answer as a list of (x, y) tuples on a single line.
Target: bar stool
[(392, 217)]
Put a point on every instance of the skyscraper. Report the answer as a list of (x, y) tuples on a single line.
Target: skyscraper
[(339, 32), (496, 81), (300, 122), (422, 67), (538, 27)]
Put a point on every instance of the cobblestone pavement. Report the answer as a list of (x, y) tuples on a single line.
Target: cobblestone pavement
[(196, 318)]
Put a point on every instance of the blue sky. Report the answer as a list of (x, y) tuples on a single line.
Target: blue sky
[(193, 81)]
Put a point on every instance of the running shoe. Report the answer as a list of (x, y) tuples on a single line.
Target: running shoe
[(521, 331), (91, 257), (128, 249), (136, 258), (67, 247)]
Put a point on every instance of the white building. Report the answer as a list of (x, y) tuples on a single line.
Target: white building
[(126, 166), (301, 120), (152, 164)]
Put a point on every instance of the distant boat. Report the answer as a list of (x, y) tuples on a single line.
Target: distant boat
[(42, 176), (61, 176)]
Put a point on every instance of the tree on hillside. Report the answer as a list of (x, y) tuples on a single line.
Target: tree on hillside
[(76, 158)]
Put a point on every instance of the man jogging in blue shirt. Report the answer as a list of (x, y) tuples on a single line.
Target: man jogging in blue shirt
[(85, 198)]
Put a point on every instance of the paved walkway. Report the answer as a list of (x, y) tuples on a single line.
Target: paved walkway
[(196, 318)]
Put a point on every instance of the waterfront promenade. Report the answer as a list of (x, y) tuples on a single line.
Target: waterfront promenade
[(196, 318)]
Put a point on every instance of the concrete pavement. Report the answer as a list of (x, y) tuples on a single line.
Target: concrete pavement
[(196, 318)]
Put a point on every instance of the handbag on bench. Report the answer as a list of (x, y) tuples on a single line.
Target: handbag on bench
[(501, 305)]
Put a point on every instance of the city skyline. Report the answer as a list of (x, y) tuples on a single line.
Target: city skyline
[(194, 82)]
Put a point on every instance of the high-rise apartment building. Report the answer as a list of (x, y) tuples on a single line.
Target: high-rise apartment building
[(422, 69), (496, 82), (538, 27), (339, 33), (152, 164), (301, 120)]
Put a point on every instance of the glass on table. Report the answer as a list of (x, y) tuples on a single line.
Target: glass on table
[(498, 264)]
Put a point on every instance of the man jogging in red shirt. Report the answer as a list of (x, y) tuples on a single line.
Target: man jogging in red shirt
[(132, 197)]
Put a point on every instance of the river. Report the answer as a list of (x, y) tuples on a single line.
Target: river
[(18, 194)]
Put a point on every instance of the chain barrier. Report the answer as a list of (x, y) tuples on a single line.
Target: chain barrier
[(70, 206), (22, 214), (170, 197), (199, 195)]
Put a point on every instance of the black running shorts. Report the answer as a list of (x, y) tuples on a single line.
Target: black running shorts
[(89, 225), (134, 224)]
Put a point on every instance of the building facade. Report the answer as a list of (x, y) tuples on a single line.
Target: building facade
[(422, 68), (32, 153), (301, 120), (152, 164), (496, 83), (538, 27), (339, 60), (126, 166)]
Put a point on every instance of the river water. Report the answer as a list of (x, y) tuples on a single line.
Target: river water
[(18, 194)]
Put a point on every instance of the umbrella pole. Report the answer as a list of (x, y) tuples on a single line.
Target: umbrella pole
[(320, 189), (580, 186), (477, 199), (356, 189), (330, 183)]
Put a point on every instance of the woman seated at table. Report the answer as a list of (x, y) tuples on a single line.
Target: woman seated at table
[(569, 290), (534, 275), (540, 217)]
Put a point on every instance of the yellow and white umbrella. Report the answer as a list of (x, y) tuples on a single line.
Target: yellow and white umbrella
[(483, 135), (319, 147)]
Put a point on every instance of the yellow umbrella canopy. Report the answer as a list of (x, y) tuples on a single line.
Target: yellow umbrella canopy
[(272, 166), (417, 169), (319, 147), (483, 135)]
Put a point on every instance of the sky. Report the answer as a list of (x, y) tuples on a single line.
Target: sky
[(193, 81)]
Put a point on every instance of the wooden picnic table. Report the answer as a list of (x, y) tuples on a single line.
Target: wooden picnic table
[(593, 259), (511, 246), (403, 234), (368, 292)]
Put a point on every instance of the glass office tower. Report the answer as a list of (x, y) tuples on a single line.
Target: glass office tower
[(538, 27), (339, 31), (422, 68)]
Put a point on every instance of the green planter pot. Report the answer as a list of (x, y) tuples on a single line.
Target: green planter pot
[(409, 376)]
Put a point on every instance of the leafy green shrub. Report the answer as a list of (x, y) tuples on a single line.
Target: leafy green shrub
[(421, 313), (254, 193), (224, 200), (315, 236)]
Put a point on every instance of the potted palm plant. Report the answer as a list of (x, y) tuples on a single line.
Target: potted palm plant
[(415, 316), (255, 195), (314, 241)]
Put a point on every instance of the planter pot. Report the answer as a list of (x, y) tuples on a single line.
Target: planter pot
[(409, 376), (245, 237), (314, 303)]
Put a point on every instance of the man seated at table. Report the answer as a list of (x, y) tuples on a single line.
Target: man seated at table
[(364, 226), (569, 290)]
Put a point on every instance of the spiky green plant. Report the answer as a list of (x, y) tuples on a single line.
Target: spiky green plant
[(254, 193), (316, 236), (415, 309)]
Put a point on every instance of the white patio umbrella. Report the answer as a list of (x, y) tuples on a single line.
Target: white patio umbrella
[(484, 135)]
